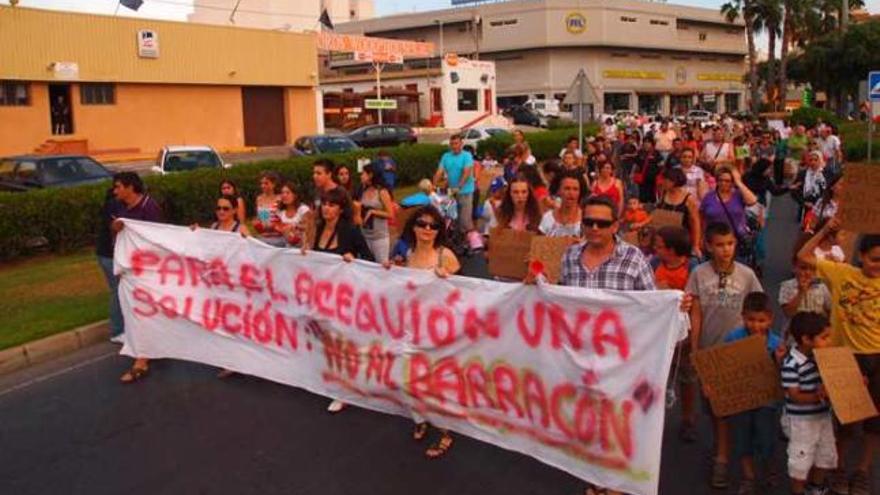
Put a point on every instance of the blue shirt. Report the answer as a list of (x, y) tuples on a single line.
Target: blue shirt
[(454, 165), (773, 340)]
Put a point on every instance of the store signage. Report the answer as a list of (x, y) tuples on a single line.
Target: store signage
[(719, 76), (374, 104), (148, 43), (633, 74), (355, 43), (65, 70), (575, 23)]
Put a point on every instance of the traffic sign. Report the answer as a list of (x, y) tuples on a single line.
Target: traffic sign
[(874, 85), (374, 104)]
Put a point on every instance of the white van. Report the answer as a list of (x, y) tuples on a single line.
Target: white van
[(546, 108)]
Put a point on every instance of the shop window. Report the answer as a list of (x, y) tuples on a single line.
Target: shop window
[(616, 101), (14, 94), (467, 100), (97, 94), (731, 102)]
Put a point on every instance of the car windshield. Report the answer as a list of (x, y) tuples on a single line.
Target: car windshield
[(61, 170), (334, 144), (178, 161), (496, 132)]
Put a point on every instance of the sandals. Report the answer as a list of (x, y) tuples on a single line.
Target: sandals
[(420, 430), (134, 374), (440, 448)]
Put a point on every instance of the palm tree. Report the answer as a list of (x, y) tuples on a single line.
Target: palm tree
[(768, 17), (733, 10)]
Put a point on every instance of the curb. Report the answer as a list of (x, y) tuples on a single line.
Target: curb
[(40, 351)]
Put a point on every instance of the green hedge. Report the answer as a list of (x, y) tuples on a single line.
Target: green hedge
[(854, 136), (545, 144), (809, 116), (67, 217)]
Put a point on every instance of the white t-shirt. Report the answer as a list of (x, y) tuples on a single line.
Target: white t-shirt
[(833, 254), (610, 132), (551, 228), (297, 215), (829, 146), (694, 175), (711, 151), (577, 152)]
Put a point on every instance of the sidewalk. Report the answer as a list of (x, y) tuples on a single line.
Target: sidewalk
[(49, 348)]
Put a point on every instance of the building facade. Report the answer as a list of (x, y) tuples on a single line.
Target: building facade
[(283, 15), (638, 55), (133, 85)]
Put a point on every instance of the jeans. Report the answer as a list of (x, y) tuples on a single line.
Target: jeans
[(117, 325)]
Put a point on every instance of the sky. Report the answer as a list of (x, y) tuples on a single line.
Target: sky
[(178, 9)]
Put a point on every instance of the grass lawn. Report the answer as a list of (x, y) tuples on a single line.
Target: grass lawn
[(49, 294)]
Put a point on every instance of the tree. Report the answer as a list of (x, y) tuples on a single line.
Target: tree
[(768, 17), (733, 10)]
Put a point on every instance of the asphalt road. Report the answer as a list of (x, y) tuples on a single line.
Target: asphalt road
[(69, 427)]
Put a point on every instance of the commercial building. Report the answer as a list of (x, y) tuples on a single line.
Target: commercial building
[(285, 15), (638, 55), (100, 84)]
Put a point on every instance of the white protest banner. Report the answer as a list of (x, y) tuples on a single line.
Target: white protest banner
[(575, 378)]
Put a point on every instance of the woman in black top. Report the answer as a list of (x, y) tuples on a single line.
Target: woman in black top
[(336, 232), (676, 197)]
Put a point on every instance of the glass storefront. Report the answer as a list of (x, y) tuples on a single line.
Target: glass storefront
[(679, 104), (731, 102), (616, 101), (650, 104)]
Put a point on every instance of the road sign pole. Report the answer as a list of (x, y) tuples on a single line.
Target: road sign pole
[(873, 96), (870, 127), (378, 67)]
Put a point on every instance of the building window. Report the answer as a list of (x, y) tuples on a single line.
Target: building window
[(619, 55), (14, 94), (624, 18), (616, 101), (655, 22), (702, 36), (731, 102), (467, 100), (681, 25), (97, 94), (650, 55)]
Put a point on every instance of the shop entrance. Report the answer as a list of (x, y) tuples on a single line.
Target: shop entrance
[(60, 109)]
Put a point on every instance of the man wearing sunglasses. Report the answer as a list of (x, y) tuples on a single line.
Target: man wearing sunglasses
[(601, 261)]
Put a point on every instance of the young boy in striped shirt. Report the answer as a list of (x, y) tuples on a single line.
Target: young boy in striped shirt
[(811, 448)]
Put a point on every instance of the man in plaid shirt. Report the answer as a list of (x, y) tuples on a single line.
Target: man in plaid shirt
[(601, 262)]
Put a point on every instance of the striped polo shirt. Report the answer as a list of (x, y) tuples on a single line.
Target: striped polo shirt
[(801, 371)]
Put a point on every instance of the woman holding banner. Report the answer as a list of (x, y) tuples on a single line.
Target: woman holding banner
[(427, 232)]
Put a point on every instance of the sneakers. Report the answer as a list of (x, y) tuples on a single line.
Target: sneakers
[(746, 487), (118, 339), (719, 478), (336, 406), (859, 483)]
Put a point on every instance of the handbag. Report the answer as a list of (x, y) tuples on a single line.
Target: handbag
[(745, 243)]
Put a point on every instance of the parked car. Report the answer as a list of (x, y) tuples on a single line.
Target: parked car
[(372, 136), (323, 143), (523, 116), (474, 135), (22, 173), (546, 108), (701, 116), (184, 158)]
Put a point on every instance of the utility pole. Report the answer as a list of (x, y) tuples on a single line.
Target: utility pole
[(844, 15)]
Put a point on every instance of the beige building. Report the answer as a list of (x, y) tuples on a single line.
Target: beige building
[(283, 15), (638, 55)]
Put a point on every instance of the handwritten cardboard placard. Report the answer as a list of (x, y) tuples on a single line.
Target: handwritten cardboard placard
[(739, 376), (859, 202), (844, 383), (549, 251), (509, 252), (486, 176), (663, 218)]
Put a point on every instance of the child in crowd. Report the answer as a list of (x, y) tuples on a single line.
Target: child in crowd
[(672, 265), (811, 448), (497, 188), (804, 292), (719, 287), (635, 217), (855, 311), (754, 431), (388, 167), (646, 240), (421, 198), (442, 200), (489, 161)]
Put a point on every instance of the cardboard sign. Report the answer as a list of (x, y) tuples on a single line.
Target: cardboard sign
[(549, 251), (844, 383), (486, 176), (859, 202), (309, 228), (739, 376), (509, 252), (663, 218)]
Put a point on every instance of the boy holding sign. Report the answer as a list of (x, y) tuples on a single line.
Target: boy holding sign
[(811, 448), (855, 320), (754, 431)]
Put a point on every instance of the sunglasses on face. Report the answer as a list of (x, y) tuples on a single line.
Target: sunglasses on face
[(597, 223), (223, 208), (427, 225)]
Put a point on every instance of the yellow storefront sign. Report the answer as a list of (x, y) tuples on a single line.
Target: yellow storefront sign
[(719, 76), (633, 74)]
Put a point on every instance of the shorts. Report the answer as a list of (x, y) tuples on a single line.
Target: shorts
[(465, 212), (754, 433), (869, 364), (811, 444)]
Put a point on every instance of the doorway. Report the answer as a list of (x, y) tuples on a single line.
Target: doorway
[(487, 101), (263, 109), (60, 109)]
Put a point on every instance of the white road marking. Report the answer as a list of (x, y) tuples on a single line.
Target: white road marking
[(54, 374)]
